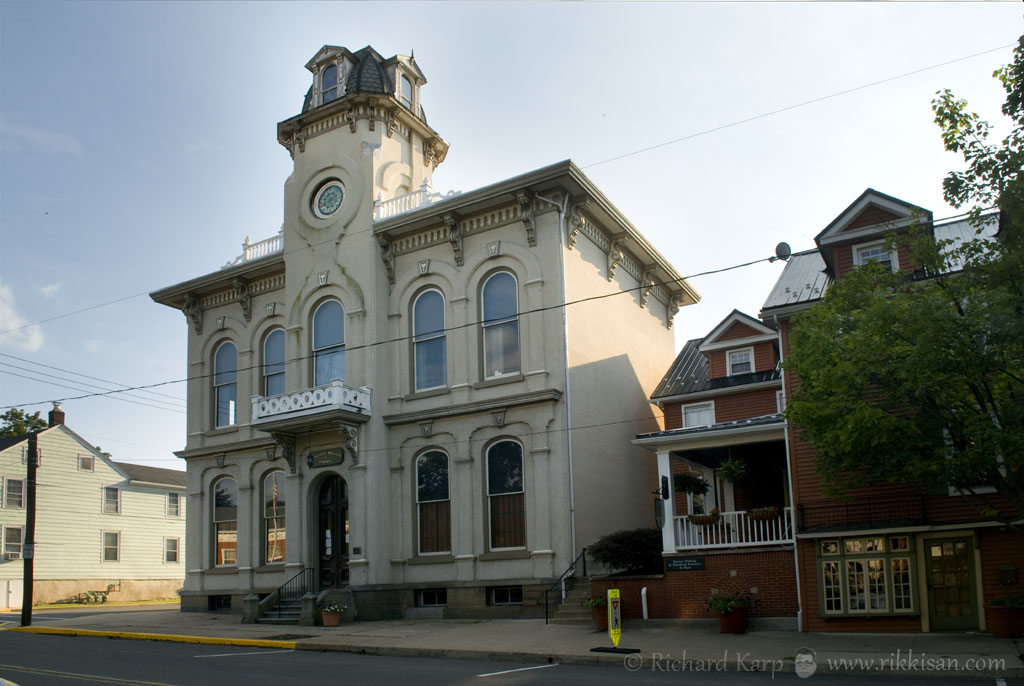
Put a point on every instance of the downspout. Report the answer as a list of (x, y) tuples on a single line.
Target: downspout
[(562, 205), (789, 480)]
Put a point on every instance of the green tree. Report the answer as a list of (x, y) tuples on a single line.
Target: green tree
[(922, 382), (15, 422)]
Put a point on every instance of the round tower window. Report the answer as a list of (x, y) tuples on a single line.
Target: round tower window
[(327, 199)]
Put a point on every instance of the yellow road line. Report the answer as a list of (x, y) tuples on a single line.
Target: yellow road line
[(83, 677), (212, 640)]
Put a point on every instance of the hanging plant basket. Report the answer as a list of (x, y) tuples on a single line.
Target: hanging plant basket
[(688, 482), (761, 514), (705, 519)]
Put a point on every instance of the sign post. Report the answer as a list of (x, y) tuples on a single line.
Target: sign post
[(614, 616)]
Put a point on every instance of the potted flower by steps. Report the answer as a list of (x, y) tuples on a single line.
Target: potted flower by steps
[(731, 609), (1006, 616), (599, 605), (330, 615)]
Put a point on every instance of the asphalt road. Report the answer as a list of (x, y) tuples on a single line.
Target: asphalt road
[(40, 660)]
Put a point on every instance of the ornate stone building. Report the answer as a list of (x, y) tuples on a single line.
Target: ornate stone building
[(389, 398)]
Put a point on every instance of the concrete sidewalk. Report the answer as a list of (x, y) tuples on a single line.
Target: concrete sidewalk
[(661, 648)]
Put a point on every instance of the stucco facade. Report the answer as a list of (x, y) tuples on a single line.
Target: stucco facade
[(462, 363)]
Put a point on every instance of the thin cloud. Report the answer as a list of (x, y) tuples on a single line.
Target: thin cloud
[(49, 290), (29, 339), (42, 140)]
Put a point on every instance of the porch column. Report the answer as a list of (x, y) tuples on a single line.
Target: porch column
[(668, 529)]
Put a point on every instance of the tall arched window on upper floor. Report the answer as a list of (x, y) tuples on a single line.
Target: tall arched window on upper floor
[(505, 496), (273, 363), (500, 322), (225, 522), (428, 335), (329, 84), (273, 518), (433, 502), (328, 343), (225, 384)]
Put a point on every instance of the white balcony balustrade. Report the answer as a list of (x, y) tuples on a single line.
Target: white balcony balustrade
[(254, 251), (734, 530), (311, 404), (382, 209)]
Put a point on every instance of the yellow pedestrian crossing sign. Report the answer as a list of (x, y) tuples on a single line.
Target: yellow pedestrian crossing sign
[(614, 616)]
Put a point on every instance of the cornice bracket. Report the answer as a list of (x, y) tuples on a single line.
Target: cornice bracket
[(526, 211), (194, 312), (243, 297), (576, 221), (615, 254), (454, 235), (387, 256)]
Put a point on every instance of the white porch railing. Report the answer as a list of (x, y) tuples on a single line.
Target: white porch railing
[(382, 209), (254, 251), (734, 530), (335, 395)]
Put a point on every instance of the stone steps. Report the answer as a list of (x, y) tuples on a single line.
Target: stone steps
[(573, 609)]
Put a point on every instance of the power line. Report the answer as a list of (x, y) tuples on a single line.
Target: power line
[(178, 406), (86, 376), (593, 164), (60, 385)]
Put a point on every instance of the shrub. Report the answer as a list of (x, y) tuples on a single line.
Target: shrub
[(636, 550)]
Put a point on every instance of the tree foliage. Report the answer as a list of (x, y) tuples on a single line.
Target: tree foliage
[(635, 550), (15, 422), (922, 382)]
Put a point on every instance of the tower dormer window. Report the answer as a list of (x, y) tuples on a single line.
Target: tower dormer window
[(329, 84), (406, 93)]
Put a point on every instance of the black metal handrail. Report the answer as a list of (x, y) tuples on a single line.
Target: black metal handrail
[(567, 574), (293, 589)]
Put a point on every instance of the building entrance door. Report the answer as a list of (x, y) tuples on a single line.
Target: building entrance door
[(332, 504), (952, 598)]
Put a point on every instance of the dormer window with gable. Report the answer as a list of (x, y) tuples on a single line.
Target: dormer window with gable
[(875, 252), (740, 361), (329, 84)]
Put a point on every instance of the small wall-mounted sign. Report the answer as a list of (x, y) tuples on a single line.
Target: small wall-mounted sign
[(325, 458), (684, 564)]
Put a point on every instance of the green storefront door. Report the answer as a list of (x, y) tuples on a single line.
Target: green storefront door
[(952, 598)]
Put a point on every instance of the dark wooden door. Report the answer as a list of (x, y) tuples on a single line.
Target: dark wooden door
[(332, 504), (951, 593)]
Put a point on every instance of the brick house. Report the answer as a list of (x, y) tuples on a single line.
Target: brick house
[(885, 558)]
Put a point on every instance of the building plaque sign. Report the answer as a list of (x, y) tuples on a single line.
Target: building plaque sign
[(684, 564), (325, 458)]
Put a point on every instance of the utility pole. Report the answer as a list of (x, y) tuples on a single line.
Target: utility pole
[(28, 545)]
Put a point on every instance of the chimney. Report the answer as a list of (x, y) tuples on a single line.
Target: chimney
[(56, 415)]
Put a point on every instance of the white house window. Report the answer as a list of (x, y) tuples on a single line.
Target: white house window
[(505, 496), (111, 500), (740, 361), (13, 542), (111, 546), (328, 343), (14, 493), (701, 414), (500, 325), (406, 93), (85, 463), (173, 504), (866, 576), (429, 351), (329, 84), (225, 522), (171, 549), (875, 252), (225, 388), (274, 518), (273, 363), (433, 502)]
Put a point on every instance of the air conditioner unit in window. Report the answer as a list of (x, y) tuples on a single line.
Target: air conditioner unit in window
[(11, 556)]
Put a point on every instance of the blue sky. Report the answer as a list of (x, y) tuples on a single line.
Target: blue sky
[(139, 149)]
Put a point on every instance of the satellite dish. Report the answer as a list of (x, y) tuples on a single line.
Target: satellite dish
[(782, 251)]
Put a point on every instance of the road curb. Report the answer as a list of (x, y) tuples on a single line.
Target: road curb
[(209, 640)]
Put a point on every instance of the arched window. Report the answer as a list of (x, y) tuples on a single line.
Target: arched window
[(273, 363), (329, 84), (225, 387), (434, 502), (225, 522), (429, 340), (500, 325), (328, 343), (273, 517), (506, 503), (406, 93)]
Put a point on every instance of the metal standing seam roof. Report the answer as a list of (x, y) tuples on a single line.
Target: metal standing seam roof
[(688, 373), (803, 280)]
